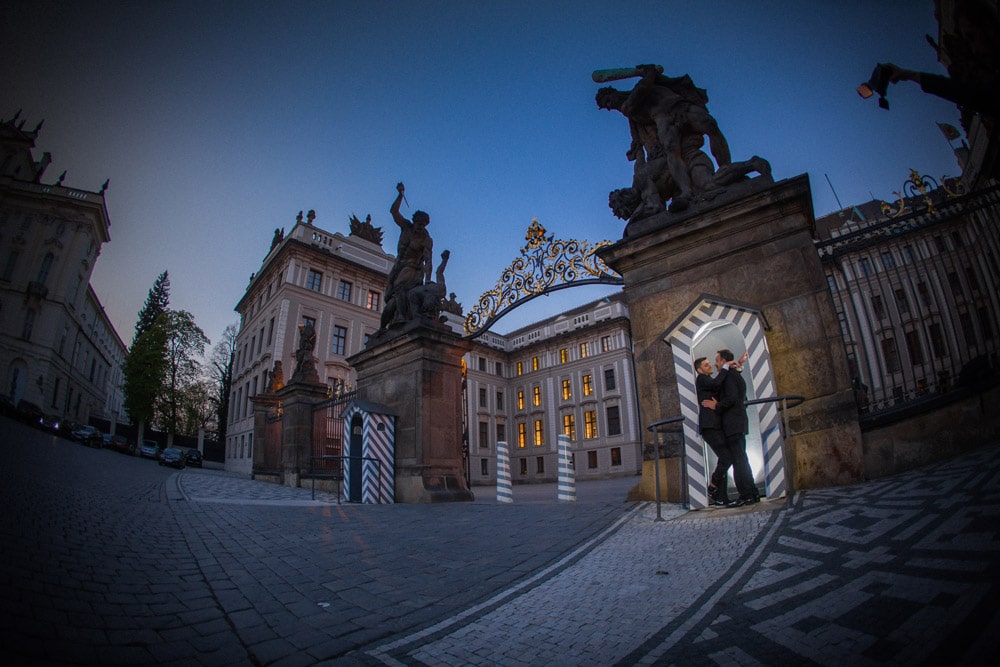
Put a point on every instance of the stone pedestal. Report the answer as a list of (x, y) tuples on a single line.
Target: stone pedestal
[(297, 401), (418, 375), (756, 250)]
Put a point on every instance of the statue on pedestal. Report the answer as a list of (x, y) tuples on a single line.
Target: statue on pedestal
[(411, 294), (305, 362), (668, 121)]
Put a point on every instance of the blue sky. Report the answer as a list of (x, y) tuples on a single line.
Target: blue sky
[(218, 121)]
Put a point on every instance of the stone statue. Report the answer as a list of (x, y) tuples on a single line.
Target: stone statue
[(452, 305), (365, 229), (276, 378), (427, 300), (668, 121), (279, 236), (305, 363), (413, 263)]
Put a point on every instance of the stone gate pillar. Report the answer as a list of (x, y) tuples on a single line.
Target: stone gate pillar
[(418, 375), (756, 250)]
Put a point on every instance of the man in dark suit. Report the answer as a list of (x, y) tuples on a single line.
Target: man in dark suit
[(710, 427), (731, 409)]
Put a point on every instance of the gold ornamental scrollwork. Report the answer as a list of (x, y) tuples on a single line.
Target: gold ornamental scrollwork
[(546, 264), (917, 188)]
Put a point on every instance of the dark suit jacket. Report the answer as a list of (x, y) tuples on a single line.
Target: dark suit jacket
[(708, 387), (732, 404)]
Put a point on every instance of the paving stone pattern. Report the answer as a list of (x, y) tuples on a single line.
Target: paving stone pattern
[(109, 559)]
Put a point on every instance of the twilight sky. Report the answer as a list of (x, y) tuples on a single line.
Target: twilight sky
[(218, 121)]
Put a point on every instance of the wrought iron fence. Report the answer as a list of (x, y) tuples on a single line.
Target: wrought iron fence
[(328, 427), (916, 296)]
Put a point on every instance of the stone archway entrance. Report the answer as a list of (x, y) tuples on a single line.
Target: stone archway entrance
[(709, 325)]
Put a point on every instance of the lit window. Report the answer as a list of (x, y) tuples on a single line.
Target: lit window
[(567, 391), (569, 427), (534, 363), (338, 343), (536, 396), (588, 385), (522, 434), (589, 424), (539, 433), (344, 291), (584, 350), (605, 343), (563, 355), (373, 300), (520, 399), (315, 280), (520, 368)]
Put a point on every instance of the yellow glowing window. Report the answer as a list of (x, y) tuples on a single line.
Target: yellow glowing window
[(522, 434), (569, 427), (588, 385), (520, 399), (536, 396), (520, 368), (539, 433), (563, 355), (567, 390), (584, 350), (590, 424), (534, 363)]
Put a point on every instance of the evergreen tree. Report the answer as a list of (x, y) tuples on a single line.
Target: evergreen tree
[(143, 372), (157, 302)]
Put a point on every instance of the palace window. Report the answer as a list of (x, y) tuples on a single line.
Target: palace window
[(499, 401), (520, 399), (588, 385), (534, 363), (563, 355), (614, 420), (484, 434), (522, 434), (338, 342), (567, 391), (590, 424), (539, 433), (592, 459), (373, 300), (616, 456), (584, 350), (540, 465), (569, 426), (609, 379), (315, 280), (605, 343), (520, 368), (536, 396), (482, 397), (344, 290)]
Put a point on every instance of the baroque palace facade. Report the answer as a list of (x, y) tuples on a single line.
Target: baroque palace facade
[(569, 374), (58, 349)]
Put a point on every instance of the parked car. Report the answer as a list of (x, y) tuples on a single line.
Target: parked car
[(193, 458), (67, 427), (49, 423), (172, 457), (119, 443), (89, 436), (28, 412), (149, 450)]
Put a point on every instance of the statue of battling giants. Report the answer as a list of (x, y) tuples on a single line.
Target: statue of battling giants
[(411, 295), (668, 121)]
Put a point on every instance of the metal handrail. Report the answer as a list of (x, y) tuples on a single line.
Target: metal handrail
[(787, 401), (654, 428)]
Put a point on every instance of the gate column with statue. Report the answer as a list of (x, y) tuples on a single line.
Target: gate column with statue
[(710, 246)]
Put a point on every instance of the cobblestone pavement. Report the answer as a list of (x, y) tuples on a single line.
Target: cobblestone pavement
[(109, 559)]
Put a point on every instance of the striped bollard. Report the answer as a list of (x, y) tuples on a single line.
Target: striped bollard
[(505, 493), (566, 488)]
